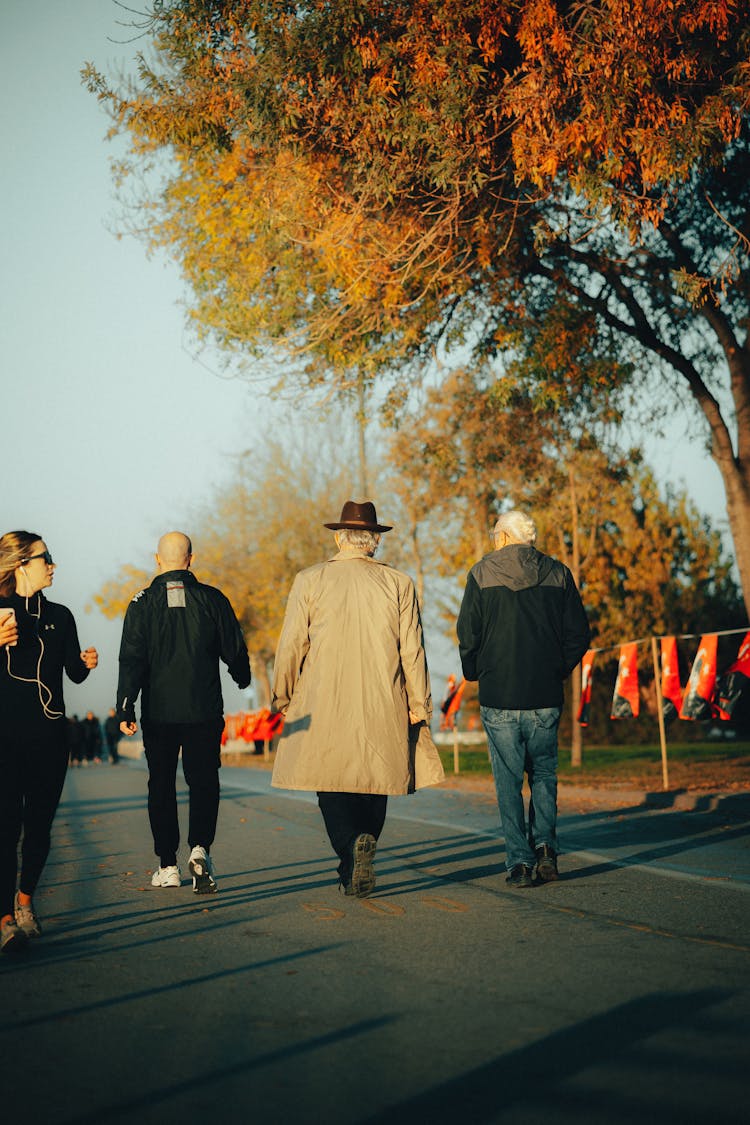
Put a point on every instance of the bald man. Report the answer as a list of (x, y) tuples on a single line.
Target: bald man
[(174, 634)]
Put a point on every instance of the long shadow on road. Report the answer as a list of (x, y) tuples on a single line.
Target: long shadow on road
[(534, 1075)]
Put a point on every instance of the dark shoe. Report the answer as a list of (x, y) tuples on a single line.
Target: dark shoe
[(12, 938), (363, 873), (520, 876), (546, 864)]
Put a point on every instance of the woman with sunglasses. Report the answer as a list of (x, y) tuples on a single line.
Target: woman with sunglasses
[(38, 640)]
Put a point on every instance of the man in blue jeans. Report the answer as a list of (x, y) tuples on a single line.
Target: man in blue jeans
[(522, 629)]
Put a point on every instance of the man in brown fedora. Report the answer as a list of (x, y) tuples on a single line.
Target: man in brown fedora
[(351, 679)]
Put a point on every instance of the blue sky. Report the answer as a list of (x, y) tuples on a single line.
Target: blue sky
[(111, 432)]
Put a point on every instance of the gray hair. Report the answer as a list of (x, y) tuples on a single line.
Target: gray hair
[(517, 525), (366, 541)]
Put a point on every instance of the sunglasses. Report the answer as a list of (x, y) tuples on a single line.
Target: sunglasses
[(44, 555)]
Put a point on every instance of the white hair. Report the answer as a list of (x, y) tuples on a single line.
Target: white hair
[(518, 526), (358, 540)]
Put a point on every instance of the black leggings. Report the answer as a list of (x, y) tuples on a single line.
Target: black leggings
[(32, 773)]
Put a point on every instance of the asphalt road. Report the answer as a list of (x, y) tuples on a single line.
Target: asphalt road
[(618, 995)]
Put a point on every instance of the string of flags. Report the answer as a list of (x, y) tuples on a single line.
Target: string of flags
[(705, 696)]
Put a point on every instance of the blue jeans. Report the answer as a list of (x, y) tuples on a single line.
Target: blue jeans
[(524, 741)]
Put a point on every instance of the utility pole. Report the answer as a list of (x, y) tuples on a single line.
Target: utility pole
[(576, 735)]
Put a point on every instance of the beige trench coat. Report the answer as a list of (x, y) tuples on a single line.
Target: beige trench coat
[(350, 665)]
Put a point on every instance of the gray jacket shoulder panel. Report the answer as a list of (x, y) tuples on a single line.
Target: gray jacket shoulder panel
[(518, 567)]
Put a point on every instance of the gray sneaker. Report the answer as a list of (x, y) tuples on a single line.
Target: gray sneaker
[(12, 937), (26, 918), (363, 872)]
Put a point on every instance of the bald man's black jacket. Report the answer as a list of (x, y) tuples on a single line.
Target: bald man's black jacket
[(175, 633), (522, 628)]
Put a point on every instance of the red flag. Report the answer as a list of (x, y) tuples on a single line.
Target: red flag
[(699, 692), (261, 726), (269, 725), (451, 703), (731, 685), (626, 699), (587, 671), (250, 722), (671, 690)]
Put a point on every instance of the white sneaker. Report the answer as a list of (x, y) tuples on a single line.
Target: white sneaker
[(166, 877), (202, 870)]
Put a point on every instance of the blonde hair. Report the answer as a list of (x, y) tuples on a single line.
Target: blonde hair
[(14, 550)]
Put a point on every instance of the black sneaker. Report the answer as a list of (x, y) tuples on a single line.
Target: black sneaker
[(363, 874), (546, 864), (520, 876)]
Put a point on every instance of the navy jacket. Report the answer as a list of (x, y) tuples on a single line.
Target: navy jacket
[(522, 628), (174, 634)]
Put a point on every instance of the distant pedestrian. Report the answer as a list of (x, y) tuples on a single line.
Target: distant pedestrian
[(76, 750), (112, 734), (351, 679), (92, 739), (38, 640), (522, 629), (174, 634)]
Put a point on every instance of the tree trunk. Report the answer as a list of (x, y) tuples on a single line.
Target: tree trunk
[(736, 477), (731, 456), (364, 483), (259, 669), (418, 568)]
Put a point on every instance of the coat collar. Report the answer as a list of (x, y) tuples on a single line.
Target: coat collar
[(342, 556), (175, 576)]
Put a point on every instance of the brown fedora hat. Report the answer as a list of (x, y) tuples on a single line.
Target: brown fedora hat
[(358, 517)]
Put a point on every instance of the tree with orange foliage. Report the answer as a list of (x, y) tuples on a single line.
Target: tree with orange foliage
[(359, 183)]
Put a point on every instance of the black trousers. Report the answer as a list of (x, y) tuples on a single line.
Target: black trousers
[(32, 773), (201, 761), (348, 815)]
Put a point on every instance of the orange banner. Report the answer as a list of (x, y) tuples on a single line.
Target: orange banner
[(626, 699), (451, 703), (671, 689), (699, 692)]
